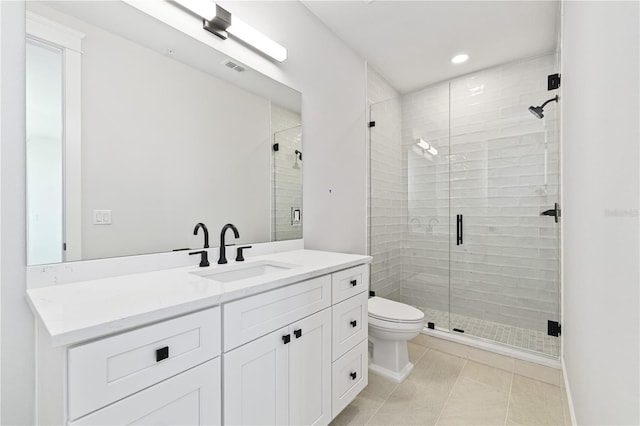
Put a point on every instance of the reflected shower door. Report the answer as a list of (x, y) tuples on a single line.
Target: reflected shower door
[(504, 172), (287, 184)]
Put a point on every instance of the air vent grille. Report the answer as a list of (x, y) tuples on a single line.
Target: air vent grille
[(233, 66)]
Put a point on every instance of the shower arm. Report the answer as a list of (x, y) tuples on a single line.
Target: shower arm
[(550, 100)]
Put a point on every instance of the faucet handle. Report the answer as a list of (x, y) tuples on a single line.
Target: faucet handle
[(239, 254), (204, 257)]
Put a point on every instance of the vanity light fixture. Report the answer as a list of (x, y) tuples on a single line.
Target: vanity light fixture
[(458, 59), (220, 22)]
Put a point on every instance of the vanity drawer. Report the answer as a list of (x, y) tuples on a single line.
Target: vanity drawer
[(349, 282), (110, 369), (349, 376), (190, 398), (349, 323), (252, 317)]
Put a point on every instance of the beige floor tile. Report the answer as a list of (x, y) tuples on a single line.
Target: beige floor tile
[(414, 417), (415, 351), (534, 403), (412, 395), (475, 403), (380, 386), (490, 376), (360, 410), (538, 372), (420, 339), (438, 369), (491, 358)]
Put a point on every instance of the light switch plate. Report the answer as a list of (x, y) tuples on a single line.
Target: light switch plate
[(102, 217)]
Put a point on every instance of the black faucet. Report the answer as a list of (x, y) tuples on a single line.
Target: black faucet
[(204, 258), (206, 233), (223, 251)]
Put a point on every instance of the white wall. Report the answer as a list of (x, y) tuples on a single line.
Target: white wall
[(600, 110), (17, 348), (331, 78)]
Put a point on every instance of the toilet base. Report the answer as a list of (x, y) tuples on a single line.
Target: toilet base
[(390, 358), (397, 377)]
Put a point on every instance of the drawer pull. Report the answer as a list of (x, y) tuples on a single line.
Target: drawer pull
[(353, 375), (286, 338), (298, 333), (354, 323), (162, 353), (354, 283)]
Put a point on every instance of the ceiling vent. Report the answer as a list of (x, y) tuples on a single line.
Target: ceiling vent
[(230, 64)]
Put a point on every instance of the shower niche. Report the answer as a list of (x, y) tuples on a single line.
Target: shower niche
[(460, 173)]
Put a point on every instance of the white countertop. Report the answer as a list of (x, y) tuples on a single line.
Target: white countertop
[(72, 313)]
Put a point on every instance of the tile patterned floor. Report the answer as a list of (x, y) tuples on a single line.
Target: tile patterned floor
[(444, 389), (537, 341)]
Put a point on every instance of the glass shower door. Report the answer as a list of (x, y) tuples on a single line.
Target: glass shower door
[(287, 184), (504, 171)]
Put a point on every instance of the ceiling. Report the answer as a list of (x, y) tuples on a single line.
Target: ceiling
[(411, 43)]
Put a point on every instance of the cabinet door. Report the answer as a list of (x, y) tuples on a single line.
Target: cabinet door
[(256, 381), (190, 398), (310, 370)]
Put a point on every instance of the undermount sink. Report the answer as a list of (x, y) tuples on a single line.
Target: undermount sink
[(238, 272)]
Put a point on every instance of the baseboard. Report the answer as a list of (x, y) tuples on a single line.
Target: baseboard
[(567, 389)]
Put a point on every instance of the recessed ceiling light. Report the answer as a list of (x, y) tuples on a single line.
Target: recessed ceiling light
[(458, 59)]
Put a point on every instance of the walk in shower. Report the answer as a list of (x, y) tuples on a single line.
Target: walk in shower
[(460, 173)]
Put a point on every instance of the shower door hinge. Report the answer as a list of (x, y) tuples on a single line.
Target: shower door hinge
[(276, 147), (372, 124), (64, 246), (553, 81), (554, 328)]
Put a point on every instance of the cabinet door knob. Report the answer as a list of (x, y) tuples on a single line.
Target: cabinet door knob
[(297, 333), (354, 283), (162, 353), (286, 338), (354, 323), (353, 375)]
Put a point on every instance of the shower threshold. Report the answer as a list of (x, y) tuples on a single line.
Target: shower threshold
[(533, 341)]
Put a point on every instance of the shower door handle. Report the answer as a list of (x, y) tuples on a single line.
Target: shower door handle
[(459, 230), (555, 212)]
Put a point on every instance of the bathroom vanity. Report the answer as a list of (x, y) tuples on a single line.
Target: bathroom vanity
[(278, 339)]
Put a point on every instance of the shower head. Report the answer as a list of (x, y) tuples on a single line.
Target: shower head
[(299, 154), (538, 110)]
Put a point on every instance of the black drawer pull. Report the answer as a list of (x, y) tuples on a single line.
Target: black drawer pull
[(298, 333), (286, 338), (354, 283), (162, 353), (354, 323), (353, 375)]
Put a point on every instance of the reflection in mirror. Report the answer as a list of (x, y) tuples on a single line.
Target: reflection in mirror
[(137, 132)]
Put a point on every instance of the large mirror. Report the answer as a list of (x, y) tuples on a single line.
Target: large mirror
[(137, 132)]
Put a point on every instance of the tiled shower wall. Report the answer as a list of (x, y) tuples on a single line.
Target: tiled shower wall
[(502, 171), (287, 173)]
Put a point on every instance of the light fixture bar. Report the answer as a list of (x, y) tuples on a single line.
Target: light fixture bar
[(219, 21), (255, 38)]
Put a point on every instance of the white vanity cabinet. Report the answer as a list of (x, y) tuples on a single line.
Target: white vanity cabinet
[(293, 352)]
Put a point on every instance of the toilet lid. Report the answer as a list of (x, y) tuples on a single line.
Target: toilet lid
[(394, 311)]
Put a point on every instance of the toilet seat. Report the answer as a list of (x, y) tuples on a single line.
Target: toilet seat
[(385, 310)]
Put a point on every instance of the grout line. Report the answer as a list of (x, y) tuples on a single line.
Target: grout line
[(451, 391), (506, 416)]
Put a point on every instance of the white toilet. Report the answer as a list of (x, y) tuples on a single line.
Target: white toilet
[(391, 324)]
